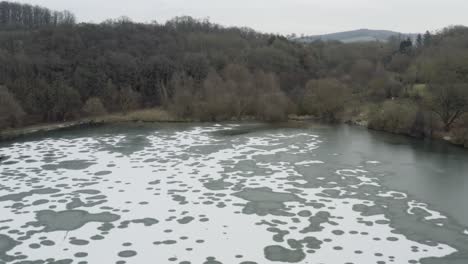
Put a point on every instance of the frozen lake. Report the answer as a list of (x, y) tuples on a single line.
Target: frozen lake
[(230, 193)]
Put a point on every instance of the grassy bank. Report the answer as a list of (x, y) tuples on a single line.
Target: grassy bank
[(145, 115), (359, 116)]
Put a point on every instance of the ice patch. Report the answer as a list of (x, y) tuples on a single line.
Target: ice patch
[(310, 162)]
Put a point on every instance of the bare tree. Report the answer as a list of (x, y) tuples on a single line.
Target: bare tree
[(271, 103), (325, 98), (11, 113), (128, 99), (241, 81), (449, 102), (217, 98), (183, 95)]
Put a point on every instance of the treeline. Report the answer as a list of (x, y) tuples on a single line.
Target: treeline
[(197, 69), (233, 94), (61, 73), (28, 16)]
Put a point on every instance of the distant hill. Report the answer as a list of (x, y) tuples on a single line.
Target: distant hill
[(360, 35)]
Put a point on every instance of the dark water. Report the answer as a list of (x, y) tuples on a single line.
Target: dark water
[(433, 171), (249, 193)]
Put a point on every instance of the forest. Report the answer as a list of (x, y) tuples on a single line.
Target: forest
[(53, 69)]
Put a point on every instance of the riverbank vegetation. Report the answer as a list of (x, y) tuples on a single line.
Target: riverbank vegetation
[(53, 70)]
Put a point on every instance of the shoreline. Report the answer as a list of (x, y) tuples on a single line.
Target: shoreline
[(15, 133), (144, 116), (161, 116), (444, 137)]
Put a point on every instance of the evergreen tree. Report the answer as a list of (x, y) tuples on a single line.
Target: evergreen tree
[(419, 41), (406, 46), (427, 40)]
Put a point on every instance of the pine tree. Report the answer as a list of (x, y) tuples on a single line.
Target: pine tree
[(427, 40), (419, 41)]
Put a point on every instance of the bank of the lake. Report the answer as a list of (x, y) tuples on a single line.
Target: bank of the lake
[(155, 115), (147, 115), (438, 135)]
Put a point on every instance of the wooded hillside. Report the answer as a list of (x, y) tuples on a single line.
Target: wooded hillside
[(52, 69)]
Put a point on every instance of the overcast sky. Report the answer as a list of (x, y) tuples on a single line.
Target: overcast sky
[(281, 16)]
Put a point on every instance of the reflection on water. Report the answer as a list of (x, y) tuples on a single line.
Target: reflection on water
[(231, 193)]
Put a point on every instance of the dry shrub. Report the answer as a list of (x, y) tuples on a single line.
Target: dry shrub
[(94, 107), (391, 116)]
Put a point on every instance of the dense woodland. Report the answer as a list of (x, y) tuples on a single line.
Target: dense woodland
[(53, 69)]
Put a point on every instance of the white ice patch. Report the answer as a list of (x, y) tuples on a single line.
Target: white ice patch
[(394, 195), (309, 162), (433, 215)]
